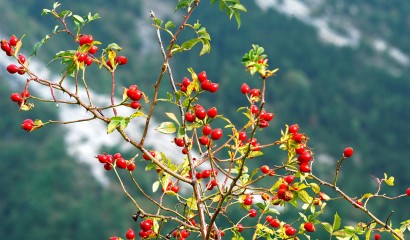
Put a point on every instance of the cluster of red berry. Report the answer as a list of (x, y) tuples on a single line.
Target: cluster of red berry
[(83, 54), (8, 46), (135, 95), (110, 161), (254, 96), (305, 155), (20, 98), (27, 125), (181, 235)]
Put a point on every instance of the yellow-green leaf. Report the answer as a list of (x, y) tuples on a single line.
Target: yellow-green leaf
[(167, 128), (191, 203)]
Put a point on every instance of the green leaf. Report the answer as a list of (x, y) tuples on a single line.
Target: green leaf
[(46, 11), (112, 126), (189, 44), (191, 203), (327, 227), (336, 222), (389, 180), (167, 128), (172, 116), (169, 24), (304, 196), (315, 187), (78, 21)]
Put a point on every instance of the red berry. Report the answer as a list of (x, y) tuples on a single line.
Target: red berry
[(204, 140), (289, 179), (121, 60), (304, 167), (275, 223), (265, 169), (205, 85), (81, 57), (179, 142), (145, 225), (212, 112), (377, 237), (175, 189), (268, 116), (189, 117), (348, 152), (93, 49), (117, 155), (147, 157), (5, 46), (86, 39), (255, 92), (130, 234), (305, 157), (202, 76), (22, 58), (28, 126), (360, 203), (298, 137), (294, 128), (12, 68), (206, 129), (300, 149), (16, 97), (216, 134), (206, 173), (242, 136), (252, 213), (198, 175), (239, 227), (135, 105), (269, 218), (254, 109), (213, 87), (88, 61), (290, 231), (134, 94), (143, 234), (200, 113), (186, 82), (102, 158), (184, 233), (21, 70), (108, 166), (408, 191), (309, 227), (263, 123), (245, 88), (131, 166), (13, 40), (247, 200), (121, 163), (114, 238)]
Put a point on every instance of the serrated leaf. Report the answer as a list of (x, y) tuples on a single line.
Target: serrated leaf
[(166, 127), (336, 222), (261, 206), (78, 21)]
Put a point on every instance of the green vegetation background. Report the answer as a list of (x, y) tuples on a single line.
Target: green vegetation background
[(338, 96)]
